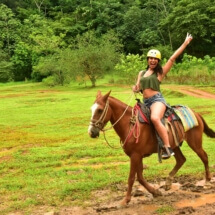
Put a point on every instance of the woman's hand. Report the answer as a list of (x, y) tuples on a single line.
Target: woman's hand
[(135, 89), (188, 38)]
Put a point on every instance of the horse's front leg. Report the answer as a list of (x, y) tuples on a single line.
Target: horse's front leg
[(134, 162), (142, 181)]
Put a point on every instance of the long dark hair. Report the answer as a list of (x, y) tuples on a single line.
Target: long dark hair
[(157, 69)]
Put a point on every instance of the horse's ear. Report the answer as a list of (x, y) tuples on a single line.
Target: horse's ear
[(106, 95), (99, 94)]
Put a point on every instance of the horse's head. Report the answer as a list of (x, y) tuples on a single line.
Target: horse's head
[(99, 114)]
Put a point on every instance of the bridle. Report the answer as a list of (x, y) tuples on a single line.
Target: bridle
[(100, 122)]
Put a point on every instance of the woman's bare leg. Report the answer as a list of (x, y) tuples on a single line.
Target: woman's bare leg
[(157, 113)]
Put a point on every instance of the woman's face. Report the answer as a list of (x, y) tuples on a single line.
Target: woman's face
[(152, 62)]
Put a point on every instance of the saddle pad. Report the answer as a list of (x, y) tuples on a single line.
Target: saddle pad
[(187, 117)]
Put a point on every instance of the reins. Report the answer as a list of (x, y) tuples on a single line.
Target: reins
[(136, 125), (119, 117), (104, 130)]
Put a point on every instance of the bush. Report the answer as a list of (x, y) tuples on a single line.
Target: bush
[(129, 66), (50, 81), (191, 70)]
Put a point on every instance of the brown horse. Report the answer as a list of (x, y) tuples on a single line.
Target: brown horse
[(107, 108)]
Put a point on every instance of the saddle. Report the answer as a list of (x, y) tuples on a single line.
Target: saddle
[(178, 119)]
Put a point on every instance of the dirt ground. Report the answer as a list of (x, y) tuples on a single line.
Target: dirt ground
[(187, 195)]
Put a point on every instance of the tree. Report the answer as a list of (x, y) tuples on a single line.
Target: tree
[(55, 68), (42, 40), (93, 57), (9, 26), (89, 57), (131, 28), (196, 18), (140, 26), (5, 67), (159, 10), (22, 61)]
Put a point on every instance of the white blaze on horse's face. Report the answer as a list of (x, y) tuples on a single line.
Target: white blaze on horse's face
[(93, 109)]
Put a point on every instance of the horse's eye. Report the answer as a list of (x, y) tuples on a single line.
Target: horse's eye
[(100, 111)]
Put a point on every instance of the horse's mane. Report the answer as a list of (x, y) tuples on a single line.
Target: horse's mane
[(122, 104)]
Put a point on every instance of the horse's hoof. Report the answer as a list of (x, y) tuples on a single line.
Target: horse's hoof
[(124, 203), (120, 206), (167, 187), (208, 185), (168, 183), (157, 193)]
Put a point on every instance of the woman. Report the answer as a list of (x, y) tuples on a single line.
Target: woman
[(149, 83)]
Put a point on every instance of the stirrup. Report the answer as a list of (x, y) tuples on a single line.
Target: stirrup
[(167, 153)]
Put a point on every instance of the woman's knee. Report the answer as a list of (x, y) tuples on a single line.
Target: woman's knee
[(155, 119)]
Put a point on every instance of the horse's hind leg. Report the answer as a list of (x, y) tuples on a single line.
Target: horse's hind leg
[(180, 160), (196, 146), (204, 157)]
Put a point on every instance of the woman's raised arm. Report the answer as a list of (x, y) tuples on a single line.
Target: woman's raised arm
[(179, 51)]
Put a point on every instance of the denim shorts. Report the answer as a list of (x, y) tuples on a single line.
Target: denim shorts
[(156, 98)]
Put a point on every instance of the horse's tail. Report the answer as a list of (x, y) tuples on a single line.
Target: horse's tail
[(208, 131)]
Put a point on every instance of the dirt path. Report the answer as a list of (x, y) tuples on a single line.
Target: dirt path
[(190, 90)]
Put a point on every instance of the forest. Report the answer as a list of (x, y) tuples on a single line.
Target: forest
[(63, 40)]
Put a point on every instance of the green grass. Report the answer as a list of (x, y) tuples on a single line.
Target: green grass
[(47, 157), (165, 210)]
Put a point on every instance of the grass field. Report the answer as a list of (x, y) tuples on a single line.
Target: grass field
[(47, 157)]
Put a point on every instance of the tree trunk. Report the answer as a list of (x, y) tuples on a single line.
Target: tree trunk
[(39, 4), (93, 81)]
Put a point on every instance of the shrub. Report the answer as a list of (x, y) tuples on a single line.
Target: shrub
[(50, 81), (129, 66)]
